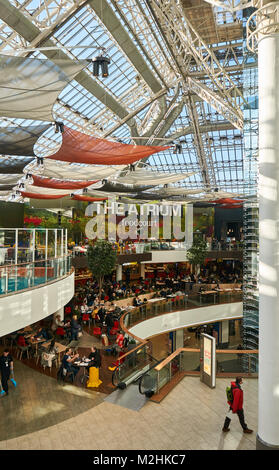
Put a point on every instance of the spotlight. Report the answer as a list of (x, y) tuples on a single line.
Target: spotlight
[(100, 61), (59, 127)]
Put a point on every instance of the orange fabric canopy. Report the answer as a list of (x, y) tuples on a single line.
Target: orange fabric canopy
[(77, 197), (82, 148), (60, 184), (42, 196)]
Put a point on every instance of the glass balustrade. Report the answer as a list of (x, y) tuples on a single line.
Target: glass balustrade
[(14, 278), (155, 307), (135, 360), (229, 363)]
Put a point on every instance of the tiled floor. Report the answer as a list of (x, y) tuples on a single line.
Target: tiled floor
[(40, 414)]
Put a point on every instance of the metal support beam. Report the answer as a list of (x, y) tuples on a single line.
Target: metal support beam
[(204, 156), (191, 53)]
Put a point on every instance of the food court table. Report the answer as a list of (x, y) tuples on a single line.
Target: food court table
[(34, 343), (209, 292), (84, 363)]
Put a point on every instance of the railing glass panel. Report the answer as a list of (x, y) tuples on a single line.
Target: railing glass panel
[(14, 278)]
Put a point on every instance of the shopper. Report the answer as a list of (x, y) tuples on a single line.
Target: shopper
[(236, 406), (75, 328), (6, 366)]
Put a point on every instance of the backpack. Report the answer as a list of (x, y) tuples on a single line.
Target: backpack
[(229, 393)]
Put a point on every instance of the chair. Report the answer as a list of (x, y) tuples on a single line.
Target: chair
[(21, 350), (86, 318), (62, 374), (113, 331), (47, 360), (97, 331)]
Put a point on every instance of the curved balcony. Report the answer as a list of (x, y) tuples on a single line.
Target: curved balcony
[(18, 277), (36, 276), (161, 376)]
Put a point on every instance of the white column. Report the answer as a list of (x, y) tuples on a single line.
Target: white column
[(268, 416), (119, 272)]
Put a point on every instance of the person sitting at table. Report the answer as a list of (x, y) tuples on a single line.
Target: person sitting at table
[(136, 301), (95, 358), (67, 362), (43, 334), (21, 341), (163, 293), (57, 326)]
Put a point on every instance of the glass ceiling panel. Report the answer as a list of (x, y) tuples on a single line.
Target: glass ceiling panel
[(79, 109)]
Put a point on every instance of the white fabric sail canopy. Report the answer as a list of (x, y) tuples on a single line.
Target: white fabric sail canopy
[(173, 191), (142, 176), (72, 171), (29, 86)]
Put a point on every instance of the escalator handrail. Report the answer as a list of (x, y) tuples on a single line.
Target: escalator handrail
[(147, 372)]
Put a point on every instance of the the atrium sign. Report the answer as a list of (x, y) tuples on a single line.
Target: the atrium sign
[(115, 220)]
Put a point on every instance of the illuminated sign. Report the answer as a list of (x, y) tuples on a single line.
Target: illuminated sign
[(208, 360)]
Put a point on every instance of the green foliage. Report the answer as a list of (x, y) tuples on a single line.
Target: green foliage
[(101, 260), (197, 253)]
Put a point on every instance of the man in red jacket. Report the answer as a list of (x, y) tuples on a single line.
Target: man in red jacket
[(236, 406)]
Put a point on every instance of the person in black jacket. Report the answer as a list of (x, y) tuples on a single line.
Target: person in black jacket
[(109, 321), (6, 365), (95, 358)]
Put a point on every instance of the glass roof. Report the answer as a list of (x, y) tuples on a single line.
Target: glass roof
[(124, 106)]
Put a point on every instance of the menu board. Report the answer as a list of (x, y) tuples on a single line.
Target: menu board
[(208, 360), (207, 356)]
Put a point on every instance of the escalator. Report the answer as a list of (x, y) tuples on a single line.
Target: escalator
[(133, 365)]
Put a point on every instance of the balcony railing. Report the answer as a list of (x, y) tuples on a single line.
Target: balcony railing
[(17, 277)]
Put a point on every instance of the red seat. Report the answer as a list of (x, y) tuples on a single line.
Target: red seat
[(60, 331), (85, 317), (97, 331), (113, 331), (116, 324), (68, 309)]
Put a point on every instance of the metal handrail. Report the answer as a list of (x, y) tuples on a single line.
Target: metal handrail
[(36, 261)]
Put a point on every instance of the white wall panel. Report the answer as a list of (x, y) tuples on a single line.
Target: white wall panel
[(185, 318), (22, 309)]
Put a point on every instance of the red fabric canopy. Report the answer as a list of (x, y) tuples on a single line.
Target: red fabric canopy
[(42, 196), (77, 197), (228, 201), (82, 148), (60, 184)]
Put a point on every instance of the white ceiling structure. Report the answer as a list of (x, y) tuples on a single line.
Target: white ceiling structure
[(175, 78)]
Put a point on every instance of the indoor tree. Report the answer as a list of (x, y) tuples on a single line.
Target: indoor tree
[(197, 253), (101, 260)]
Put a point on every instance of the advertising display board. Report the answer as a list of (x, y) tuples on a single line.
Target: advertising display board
[(208, 360)]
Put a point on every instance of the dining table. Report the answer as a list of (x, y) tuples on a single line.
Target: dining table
[(82, 363)]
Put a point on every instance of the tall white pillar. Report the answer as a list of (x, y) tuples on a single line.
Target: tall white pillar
[(268, 416), (119, 272)]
